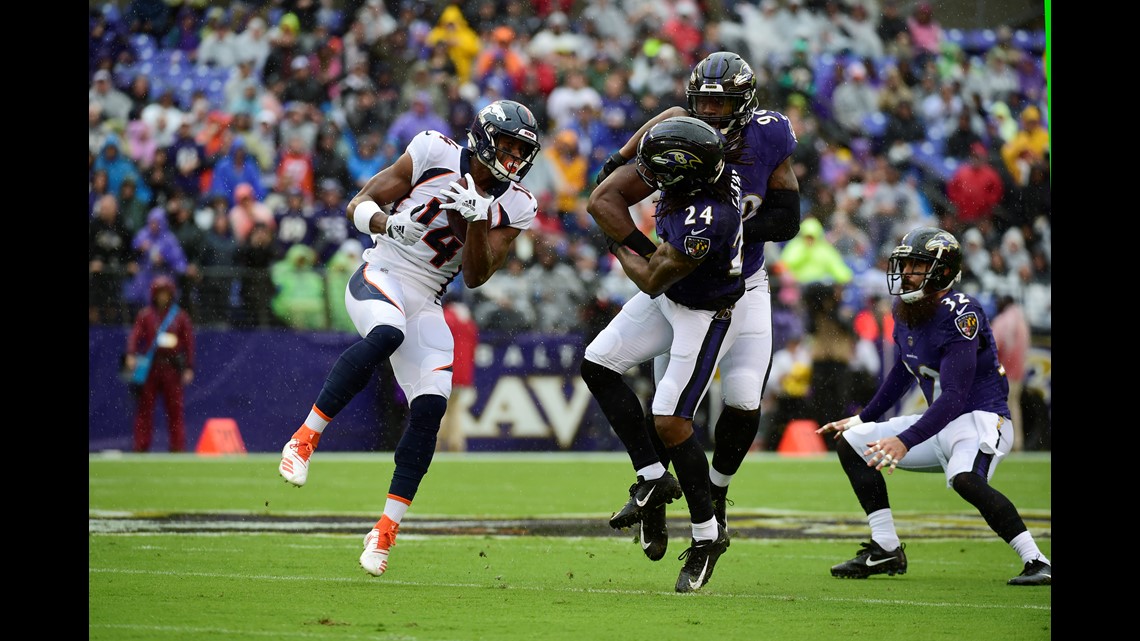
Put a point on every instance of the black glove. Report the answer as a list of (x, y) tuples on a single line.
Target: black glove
[(613, 162)]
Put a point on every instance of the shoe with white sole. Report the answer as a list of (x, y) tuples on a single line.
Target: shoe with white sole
[(374, 558)]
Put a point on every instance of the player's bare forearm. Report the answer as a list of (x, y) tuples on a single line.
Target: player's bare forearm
[(609, 204), (383, 188), (659, 272), (485, 251)]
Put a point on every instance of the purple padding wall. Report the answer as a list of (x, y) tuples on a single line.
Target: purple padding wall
[(528, 394)]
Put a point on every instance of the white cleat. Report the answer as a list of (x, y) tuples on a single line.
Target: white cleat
[(374, 558), (294, 466)]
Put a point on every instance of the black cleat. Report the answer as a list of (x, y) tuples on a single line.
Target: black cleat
[(644, 496), (872, 559), (700, 559), (1036, 572), (720, 502), (653, 535)]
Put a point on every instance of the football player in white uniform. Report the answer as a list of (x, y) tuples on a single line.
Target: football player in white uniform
[(439, 210)]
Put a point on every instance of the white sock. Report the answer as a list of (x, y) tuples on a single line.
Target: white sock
[(395, 509), (652, 472), (1026, 548), (718, 479), (706, 531), (883, 529), (315, 421)]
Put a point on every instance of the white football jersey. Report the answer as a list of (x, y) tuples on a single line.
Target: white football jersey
[(436, 259)]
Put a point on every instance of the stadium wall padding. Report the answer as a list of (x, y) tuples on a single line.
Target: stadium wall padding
[(528, 394)]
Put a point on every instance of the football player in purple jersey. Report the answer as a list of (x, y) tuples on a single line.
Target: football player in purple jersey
[(722, 93), (943, 344), (687, 308)]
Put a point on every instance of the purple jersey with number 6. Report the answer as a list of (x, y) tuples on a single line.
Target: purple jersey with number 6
[(769, 139)]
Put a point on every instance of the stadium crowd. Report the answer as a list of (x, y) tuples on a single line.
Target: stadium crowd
[(225, 141)]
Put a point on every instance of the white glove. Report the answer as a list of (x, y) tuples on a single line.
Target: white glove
[(467, 201), (403, 229)]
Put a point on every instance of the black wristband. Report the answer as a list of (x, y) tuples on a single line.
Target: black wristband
[(639, 243), (612, 163)]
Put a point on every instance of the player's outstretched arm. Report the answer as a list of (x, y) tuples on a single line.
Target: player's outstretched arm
[(609, 205)]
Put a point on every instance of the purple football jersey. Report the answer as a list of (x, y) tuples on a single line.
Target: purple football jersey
[(711, 230), (958, 318), (769, 139)]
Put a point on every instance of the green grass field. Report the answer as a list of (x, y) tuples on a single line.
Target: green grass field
[(516, 547)]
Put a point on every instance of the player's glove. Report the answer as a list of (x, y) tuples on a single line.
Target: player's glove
[(466, 200), (405, 229)]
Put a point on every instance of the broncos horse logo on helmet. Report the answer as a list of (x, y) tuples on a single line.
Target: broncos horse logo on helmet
[(937, 248), (680, 153), (722, 91), (504, 118)]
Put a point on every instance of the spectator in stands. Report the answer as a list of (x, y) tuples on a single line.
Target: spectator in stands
[(338, 270), (891, 207), (329, 159), (852, 102), (184, 35), (253, 45), (903, 128), (760, 31), (559, 293), (119, 167), (170, 366), (786, 395), (151, 17), (140, 144), (164, 117), (284, 44), (254, 255), (506, 303), (219, 248), (939, 110), (115, 104), (333, 227), (975, 189), (1012, 336), (188, 160), (570, 96), (893, 90), (296, 223), (961, 140), (180, 217), (248, 211), (420, 117), (220, 47), (300, 301), (139, 91), (810, 258), (563, 170), (459, 111), (303, 85), (1029, 145), (295, 168), (236, 168), (159, 254), (925, 31), (462, 42), (110, 261), (132, 209), (366, 159)]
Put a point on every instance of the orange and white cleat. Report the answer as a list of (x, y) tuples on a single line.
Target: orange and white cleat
[(294, 466), (374, 559)]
